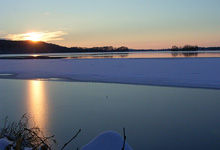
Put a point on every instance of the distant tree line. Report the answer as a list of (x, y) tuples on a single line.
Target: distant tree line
[(185, 48), (209, 48), (27, 47), (100, 49), (30, 47)]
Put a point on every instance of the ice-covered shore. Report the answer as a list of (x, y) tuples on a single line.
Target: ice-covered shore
[(183, 72), (109, 140)]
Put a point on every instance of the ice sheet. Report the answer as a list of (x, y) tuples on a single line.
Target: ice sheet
[(183, 72)]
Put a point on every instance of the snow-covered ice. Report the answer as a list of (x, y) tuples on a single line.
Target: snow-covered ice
[(184, 72), (4, 142), (108, 140)]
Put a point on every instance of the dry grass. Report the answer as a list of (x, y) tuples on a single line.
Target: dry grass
[(23, 135)]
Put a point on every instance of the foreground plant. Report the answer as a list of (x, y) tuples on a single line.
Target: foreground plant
[(23, 136), (19, 136)]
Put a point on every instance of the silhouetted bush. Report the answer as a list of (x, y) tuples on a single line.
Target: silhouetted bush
[(175, 48)]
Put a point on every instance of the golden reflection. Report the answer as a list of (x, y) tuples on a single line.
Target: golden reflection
[(37, 104), (35, 55)]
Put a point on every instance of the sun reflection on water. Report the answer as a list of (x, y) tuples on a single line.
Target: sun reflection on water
[(37, 104)]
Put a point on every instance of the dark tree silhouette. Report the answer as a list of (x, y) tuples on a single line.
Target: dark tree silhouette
[(29, 47), (185, 48), (175, 48)]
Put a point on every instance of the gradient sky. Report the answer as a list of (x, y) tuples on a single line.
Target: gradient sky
[(134, 23)]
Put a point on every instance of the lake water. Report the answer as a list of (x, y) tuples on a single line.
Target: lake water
[(143, 54), (155, 118)]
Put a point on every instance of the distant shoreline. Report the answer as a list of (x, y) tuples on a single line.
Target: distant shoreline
[(30, 47), (116, 55)]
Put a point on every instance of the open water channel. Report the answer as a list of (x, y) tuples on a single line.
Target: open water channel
[(155, 118)]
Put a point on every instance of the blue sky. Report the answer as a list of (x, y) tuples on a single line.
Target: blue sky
[(132, 23)]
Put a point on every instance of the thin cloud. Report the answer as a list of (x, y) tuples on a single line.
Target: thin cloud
[(42, 36), (47, 13)]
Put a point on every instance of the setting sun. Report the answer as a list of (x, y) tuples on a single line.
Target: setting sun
[(37, 36), (34, 36)]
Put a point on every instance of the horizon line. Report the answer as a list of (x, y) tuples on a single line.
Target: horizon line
[(102, 46)]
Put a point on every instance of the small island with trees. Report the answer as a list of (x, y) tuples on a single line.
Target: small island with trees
[(185, 48)]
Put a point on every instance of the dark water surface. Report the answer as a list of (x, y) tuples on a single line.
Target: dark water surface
[(144, 54), (155, 118)]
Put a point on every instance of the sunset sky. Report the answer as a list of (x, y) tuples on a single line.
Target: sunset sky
[(140, 24)]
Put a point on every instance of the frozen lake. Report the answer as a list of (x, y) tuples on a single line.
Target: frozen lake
[(154, 117)]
